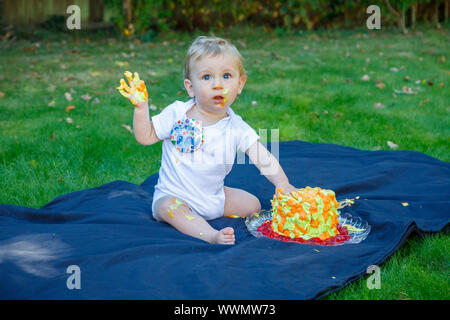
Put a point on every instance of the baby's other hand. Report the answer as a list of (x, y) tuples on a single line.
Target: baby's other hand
[(285, 188), (136, 92)]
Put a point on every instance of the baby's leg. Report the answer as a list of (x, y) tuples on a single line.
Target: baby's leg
[(240, 203), (176, 213)]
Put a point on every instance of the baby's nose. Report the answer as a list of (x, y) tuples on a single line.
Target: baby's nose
[(218, 85)]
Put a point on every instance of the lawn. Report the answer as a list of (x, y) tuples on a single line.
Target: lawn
[(64, 127)]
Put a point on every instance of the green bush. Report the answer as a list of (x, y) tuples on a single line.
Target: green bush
[(203, 15), (55, 23)]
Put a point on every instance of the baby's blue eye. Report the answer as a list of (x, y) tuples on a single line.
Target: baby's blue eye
[(227, 75), (206, 77)]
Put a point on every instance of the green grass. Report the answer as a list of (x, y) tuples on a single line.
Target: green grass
[(311, 79), (419, 270)]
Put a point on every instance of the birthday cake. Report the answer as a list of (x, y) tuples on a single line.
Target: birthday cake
[(305, 213)]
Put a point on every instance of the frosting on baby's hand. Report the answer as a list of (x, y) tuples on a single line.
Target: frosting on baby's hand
[(136, 91)]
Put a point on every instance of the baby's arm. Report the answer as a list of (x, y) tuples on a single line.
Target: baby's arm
[(144, 131), (269, 166)]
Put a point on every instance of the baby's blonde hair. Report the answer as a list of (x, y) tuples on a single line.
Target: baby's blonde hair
[(211, 46)]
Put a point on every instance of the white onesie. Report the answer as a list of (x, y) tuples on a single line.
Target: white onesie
[(197, 177)]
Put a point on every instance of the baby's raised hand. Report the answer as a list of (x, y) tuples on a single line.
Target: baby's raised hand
[(136, 92)]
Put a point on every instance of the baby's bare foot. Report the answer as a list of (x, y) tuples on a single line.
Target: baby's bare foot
[(224, 236)]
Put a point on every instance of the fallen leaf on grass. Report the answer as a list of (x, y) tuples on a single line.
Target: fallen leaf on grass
[(68, 96), (52, 103), (441, 85), (365, 78), (69, 120), (152, 107), (121, 64), (2, 94), (128, 55), (254, 103), (29, 49), (86, 97), (33, 163), (242, 43), (392, 145), (408, 90), (127, 127), (379, 105), (394, 69), (423, 101), (381, 85), (68, 108), (405, 90), (34, 75), (96, 100), (69, 78)]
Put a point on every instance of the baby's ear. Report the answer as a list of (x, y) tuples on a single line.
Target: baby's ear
[(188, 86), (242, 80)]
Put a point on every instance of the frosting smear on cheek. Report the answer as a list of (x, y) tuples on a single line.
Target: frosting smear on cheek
[(225, 92)]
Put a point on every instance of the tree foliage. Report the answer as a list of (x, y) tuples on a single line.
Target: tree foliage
[(157, 15)]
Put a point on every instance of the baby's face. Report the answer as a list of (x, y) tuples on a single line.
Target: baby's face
[(215, 82)]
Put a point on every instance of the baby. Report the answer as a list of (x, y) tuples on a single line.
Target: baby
[(200, 141)]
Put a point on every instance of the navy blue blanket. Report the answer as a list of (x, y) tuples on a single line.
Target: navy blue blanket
[(122, 253)]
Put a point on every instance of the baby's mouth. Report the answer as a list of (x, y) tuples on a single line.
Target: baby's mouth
[(218, 99)]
